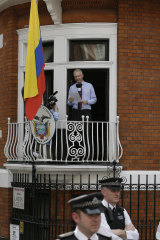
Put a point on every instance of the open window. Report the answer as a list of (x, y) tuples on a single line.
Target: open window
[(99, 78)]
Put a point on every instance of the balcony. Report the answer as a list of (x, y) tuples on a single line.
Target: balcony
[(84, 142)]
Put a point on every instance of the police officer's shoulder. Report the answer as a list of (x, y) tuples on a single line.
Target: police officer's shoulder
[(119, 208), (65, 236), (102, 237)]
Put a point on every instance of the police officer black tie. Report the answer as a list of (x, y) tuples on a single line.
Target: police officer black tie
[(114, 210)]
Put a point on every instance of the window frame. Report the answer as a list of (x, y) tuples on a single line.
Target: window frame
[(61, 35)]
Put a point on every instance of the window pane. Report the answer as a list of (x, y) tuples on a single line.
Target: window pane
[(89, 50), (48, 49), (49, 86)]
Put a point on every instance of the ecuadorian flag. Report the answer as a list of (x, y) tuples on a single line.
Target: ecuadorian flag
[(34, 85)]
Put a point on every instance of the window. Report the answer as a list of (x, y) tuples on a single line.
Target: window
[(48, 50), (49, 86), (91, 47), (89, 50)]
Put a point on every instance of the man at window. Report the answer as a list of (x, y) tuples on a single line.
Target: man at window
[(86, 94)]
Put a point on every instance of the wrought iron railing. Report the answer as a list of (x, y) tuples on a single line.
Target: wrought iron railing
[(73, 142)]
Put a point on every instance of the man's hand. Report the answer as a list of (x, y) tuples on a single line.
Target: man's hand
[(55, 108), (71, 99), (84, 101), (120, 233)]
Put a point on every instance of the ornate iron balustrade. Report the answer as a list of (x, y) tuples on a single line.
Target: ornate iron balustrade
[(73, 142)]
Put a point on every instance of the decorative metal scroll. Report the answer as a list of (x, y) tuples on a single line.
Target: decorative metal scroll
[(76, 141)]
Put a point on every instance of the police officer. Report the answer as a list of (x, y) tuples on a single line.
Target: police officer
[(86, 213), (115, 221)]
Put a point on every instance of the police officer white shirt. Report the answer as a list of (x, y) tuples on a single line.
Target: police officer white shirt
[(158, 232), (79, 235), (106, 230)]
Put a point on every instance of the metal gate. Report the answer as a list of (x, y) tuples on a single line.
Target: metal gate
[(47, 214)]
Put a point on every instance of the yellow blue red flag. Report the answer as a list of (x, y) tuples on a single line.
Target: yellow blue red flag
[(34, 85)]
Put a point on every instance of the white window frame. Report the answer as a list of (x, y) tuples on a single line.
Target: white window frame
[(61, 34)]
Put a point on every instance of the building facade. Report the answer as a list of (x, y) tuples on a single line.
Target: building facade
[(117, 45)]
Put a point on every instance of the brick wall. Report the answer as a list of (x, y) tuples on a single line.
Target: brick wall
[(138, 83), (10, 20), (8, 72), (5, 210), (89, 15), (89, 11)]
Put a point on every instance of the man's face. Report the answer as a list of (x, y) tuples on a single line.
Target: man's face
[(110, 195), (87, 224), (78, 76)]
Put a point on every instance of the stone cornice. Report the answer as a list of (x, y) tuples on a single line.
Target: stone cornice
[(55, 10)]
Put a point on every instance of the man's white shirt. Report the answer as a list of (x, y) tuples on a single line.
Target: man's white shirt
[(106, 230), (79, 235)]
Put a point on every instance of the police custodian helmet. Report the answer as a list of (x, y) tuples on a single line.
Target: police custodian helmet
[(112, 183), (90, 204)]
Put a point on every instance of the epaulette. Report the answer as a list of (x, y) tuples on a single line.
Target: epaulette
[(65, 235), (120, 208)]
